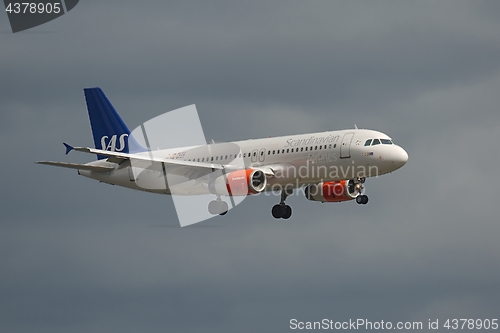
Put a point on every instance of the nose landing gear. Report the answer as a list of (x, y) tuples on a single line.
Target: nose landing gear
[(361, 199)]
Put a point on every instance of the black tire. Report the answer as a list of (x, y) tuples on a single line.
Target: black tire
[(365, 199), (277, 211), (359, 199), (287, 213)]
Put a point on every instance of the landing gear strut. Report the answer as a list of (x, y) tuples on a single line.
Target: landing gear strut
[(218, 206), (361, 199), (282, 210)]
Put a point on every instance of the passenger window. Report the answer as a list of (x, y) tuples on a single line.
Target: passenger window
[(291, 150), (306, 148), (320, 147), (274, 152), (302, 149), (277, 151), (368, 142), (268, 152), (335, 146), (386, 141), (375, 142), (212, 159), (287, 151), (330, 146), (216, 158), (244, 154)]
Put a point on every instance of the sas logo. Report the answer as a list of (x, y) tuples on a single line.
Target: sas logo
[(26, 15), (110, 143)]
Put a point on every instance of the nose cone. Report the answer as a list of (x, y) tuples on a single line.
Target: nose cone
[(399, 157)]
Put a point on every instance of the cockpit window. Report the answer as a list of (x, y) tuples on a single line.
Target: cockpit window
[(386, 141), (368, 142), (375, 142)]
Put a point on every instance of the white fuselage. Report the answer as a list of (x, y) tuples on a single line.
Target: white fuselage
[(294, 160)]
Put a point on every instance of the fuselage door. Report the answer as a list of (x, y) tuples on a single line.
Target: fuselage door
[(262, 155), (345, 146), (254, 155)]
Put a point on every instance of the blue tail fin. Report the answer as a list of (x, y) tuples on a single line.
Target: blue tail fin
[(108, 128)]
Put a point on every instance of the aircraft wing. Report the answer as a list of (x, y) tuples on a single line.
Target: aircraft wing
[(147, 158), (191, 170), (188, 169), (77, 166)]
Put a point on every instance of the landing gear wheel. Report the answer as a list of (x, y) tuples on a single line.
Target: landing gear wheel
[(282, 210), (287, 213), (213, 207), (278, 211), (218, 207), (365, 199), (223, 208), (362, 199)]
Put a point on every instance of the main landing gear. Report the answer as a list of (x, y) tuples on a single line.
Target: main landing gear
[(218, 207), (282, 210), (361, 199)]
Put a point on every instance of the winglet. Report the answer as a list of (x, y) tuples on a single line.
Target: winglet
[(68, 148)]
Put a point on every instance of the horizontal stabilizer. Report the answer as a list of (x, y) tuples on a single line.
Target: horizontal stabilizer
[(77, 166), (68, 148)]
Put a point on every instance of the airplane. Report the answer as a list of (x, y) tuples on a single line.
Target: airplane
[(327, 166)]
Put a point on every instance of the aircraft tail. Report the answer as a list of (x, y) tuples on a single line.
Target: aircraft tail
[(108, 128)]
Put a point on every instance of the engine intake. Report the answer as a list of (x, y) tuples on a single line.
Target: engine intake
[(343, 190)]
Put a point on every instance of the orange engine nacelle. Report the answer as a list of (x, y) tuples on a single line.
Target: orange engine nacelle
[(239, 183), (332, 191)]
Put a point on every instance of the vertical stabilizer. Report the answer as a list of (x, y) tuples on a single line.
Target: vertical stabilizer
[(109, 130)]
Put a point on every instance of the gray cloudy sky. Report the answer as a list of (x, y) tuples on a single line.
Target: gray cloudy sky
[(79, 256)]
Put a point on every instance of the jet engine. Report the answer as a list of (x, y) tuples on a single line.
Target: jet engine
[(333, 191), (239, 183)]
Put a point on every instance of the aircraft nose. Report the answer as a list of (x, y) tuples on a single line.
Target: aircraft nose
[(400, 157)]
